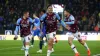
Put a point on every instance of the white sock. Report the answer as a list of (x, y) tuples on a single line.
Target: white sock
[(26, 50), (49, 52), (52, 49), (86, 46), (74, 48)]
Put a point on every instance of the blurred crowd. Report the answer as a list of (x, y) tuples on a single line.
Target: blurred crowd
[(87, 12), (11, 10)]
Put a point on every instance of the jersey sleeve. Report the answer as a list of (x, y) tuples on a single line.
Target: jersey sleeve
[(62, 22), (72, 20), (17, 26), (31, 23), (43, 17)]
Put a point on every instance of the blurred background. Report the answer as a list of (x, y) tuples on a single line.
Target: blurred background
[(87, 12)]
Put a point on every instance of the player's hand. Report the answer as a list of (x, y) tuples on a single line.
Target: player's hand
[(67, 27), (16, 37)]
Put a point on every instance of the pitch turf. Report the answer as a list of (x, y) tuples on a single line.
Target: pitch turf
[(13, 48)]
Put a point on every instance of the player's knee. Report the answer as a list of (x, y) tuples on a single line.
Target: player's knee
[(26, 43), (69, 42), (50, 41), (81, 41)]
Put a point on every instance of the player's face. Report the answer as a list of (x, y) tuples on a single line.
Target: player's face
[(26, 14), (66, 13), (50, 9)]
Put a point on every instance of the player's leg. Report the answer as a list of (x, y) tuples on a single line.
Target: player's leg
[(41, 42), (50, 43), (70, 42), (83, 43), (32, 42), (45, 41), (40, 45), (23, 41), (27, 42), (55, 39)]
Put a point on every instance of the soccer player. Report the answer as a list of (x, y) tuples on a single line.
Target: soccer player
[(43, 28), (36, 29), (24, 25), (73, 32), (50, 19)]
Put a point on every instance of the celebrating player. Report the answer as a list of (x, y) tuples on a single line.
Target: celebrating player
[(24, 25), (73, 32), (50, 19)]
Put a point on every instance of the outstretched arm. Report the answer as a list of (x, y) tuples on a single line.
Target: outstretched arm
[(72, 20), (17, 29), (62, 22)]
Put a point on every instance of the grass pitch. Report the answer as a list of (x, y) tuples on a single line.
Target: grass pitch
[(13, 48)]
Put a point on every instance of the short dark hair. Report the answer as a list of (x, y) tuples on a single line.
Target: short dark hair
[(49, 5), (43, 11), (68, 10), (25, 11)]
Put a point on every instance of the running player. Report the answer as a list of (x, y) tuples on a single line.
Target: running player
[(73, 32), (24, 25), (50, 19)]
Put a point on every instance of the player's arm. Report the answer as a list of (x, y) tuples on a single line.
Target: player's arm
[(62, 22), (31, 23), (17, 29), (41, 21), (43, 17), (72, 20)]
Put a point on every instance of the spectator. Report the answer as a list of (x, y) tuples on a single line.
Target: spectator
[(91, 23)]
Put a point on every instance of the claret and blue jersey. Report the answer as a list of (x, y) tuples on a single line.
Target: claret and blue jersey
[(24, 25), (51, 21)]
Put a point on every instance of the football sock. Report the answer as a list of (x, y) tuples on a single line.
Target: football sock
[(74, 48), (48, 52), (41, 43), (32, 41), (26, 50), (86, 46)]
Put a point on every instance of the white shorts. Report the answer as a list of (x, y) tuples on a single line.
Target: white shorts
[(28, 38), (73, 35), (51, 35)]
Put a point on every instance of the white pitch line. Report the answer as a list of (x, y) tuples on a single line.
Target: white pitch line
[(9, 48)]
